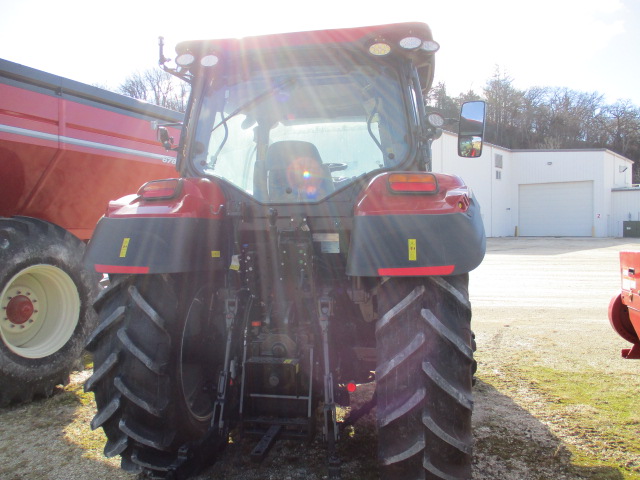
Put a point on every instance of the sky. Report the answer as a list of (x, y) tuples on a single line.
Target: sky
[(584, 45)]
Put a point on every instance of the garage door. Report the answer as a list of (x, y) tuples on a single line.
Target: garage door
[(556, 209)]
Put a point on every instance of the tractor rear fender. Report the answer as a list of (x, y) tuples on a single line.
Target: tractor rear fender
[(416, 224), (169, 226)]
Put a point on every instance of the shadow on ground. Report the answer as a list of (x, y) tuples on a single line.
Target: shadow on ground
[(38, 442), (512, 444)]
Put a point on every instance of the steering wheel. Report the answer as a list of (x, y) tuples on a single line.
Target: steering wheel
[(336, 167)]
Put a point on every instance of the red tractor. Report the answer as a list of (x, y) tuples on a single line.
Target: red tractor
[(624, 308), (305, 249)]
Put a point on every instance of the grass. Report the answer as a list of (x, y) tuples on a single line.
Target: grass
[(596, 412), (602, 410)]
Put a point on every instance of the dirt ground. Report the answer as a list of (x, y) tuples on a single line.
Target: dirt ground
[(543, 303), (538, 303)]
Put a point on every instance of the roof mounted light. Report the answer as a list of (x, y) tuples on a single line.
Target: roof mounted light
[(410, 43), (209, 60), (430, 46), (379, 48), (185, 59)]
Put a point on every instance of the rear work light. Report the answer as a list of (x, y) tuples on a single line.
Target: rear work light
[(160, 189), (410, 43), (379, 48), (413, 183)]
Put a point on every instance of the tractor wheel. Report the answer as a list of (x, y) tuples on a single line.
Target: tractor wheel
[(158, 351), (46, 296), (424, 377)]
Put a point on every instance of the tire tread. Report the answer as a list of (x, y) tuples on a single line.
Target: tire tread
[(424, 362)]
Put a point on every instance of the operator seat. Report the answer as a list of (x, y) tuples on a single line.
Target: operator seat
[(295, 173)]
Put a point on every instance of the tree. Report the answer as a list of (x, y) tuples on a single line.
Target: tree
[(504, 109), (470, 96), (438, 99), (623, 126), (158, 87)]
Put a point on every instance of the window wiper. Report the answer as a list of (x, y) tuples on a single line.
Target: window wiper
[(255, 101)]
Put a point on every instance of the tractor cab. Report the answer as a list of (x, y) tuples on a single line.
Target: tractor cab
[(294, 118)]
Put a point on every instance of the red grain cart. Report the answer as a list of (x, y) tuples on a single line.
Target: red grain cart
[(66, 149)]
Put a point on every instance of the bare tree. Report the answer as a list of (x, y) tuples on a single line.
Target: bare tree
[(623, 126), (504, 109), (158, 87)]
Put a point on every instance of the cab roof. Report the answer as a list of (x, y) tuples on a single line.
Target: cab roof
[(354, 39)]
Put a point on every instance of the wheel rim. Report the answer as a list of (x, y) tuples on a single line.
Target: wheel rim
[(40, 311), (199, 357)]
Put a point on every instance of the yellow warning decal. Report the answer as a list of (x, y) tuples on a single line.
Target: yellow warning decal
[(124, 247), (215, 253), (289, 361), (413, 250)]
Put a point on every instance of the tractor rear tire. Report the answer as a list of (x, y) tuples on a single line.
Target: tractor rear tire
[(46, 296), (157, 353), (424, 378)]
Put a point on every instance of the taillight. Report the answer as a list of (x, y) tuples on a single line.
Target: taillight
[(413, 183), (160, 189)]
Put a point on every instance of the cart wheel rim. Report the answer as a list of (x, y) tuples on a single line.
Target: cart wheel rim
[(40, 311)]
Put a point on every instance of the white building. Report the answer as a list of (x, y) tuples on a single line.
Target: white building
[(546, 192)]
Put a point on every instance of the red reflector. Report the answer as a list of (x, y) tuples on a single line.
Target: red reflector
[(413, 183), (160, 189), (119, 269), (416, 271), (351, 387)]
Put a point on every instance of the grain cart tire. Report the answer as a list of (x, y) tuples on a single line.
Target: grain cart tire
[(424, 377), (46, 296), (151, 349)]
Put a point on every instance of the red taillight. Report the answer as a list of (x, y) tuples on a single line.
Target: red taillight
[(413, 183), (160, 189)]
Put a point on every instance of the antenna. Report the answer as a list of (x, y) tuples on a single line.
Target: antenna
[(162, 59)]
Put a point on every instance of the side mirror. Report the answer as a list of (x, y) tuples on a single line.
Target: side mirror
[(165, 138), (471, 129)]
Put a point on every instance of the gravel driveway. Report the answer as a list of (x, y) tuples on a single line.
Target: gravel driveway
[(539, 304)]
